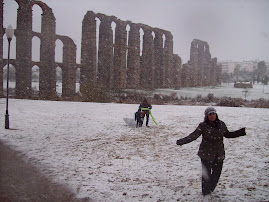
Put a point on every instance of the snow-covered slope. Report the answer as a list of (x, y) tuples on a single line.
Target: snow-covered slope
[(89, 147)]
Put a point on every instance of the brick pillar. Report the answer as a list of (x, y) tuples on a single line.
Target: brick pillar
[(147, 71), (207, 66), (168, 60), (24, 50), (133, 70), (186, 76), (212, 72), (200, 59), (177, 71), (158, 56), (216, 71), (194, 61), (47, 79), (105, 52), (69, 70), (120, 55), (88, 51)]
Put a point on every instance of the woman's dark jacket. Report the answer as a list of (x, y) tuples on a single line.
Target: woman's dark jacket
[(145, 105), (212, 146)]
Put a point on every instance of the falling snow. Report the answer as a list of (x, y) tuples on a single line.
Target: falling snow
[(88, 147)]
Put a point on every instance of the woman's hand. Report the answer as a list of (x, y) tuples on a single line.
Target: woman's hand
[(179, 142), (243, 131)]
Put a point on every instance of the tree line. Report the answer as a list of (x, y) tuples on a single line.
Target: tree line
[(260, 74)]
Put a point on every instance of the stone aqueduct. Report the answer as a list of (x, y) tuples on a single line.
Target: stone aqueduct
[(113, 59)]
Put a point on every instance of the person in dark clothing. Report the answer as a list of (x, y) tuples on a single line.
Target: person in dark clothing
[(145, 104), (211, 150), (139, 117)]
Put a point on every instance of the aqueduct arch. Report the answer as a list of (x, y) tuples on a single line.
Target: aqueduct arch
[(151, 69), (114, 54), (47, 64)]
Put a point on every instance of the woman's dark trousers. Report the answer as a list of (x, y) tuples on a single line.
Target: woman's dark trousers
[(211, 171), (147, 122)]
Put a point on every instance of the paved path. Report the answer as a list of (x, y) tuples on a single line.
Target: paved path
[(20, 181)]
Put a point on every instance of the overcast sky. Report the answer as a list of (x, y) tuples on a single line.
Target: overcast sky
[(234, 29)]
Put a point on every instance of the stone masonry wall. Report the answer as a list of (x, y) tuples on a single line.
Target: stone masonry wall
[(201, 70), (128, 55), (119, 64), (47, 65)]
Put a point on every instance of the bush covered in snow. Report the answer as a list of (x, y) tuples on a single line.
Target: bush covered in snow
[(230, 102)]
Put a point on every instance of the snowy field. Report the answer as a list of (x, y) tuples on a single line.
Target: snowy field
[(258, 91), (89, 147)]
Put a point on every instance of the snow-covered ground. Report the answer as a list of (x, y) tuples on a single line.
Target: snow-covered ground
[(89, 147), (258, 91)]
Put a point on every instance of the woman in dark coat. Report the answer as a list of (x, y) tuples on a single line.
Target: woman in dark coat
[(211, 149)]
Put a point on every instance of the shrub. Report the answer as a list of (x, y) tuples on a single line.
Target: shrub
[(173, 96), (230, 102), (210, 97), (261, 103)]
